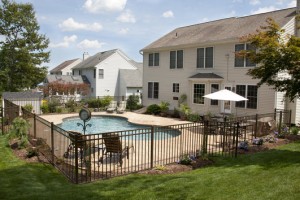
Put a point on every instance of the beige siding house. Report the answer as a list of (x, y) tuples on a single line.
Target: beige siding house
[(199, 59)]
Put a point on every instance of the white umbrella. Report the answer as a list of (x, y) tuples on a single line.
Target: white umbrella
[(225, 95)]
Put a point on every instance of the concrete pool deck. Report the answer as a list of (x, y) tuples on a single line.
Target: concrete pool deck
[(132, 117)]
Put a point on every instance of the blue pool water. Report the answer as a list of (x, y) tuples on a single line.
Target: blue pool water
[(103, 124)]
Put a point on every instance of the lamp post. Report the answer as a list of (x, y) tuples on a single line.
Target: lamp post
[(84, 115)]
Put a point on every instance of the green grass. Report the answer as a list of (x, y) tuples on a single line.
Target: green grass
[(267, 175)]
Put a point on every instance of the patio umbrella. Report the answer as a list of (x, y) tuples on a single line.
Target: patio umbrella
[(225, 95)]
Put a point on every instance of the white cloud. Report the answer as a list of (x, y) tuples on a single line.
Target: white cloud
[(95, 6), (264, 10), (292, 4), (124, 31), (66, 42), (126, 17), (90, 44), (168, 14), (254, 2), (71, 25)]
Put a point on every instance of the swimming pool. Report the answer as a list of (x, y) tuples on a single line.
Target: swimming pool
[(104, 124)]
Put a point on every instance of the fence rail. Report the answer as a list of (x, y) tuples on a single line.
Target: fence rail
[(85, 158)]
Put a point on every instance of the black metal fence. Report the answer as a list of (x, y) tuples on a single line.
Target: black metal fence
[(85, 158)]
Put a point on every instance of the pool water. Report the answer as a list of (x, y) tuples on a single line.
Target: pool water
[(101, 124), (104, 124)]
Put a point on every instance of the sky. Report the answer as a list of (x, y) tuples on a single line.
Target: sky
[(77, 26)]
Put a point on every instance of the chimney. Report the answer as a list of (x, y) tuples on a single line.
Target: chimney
[(85, 55)]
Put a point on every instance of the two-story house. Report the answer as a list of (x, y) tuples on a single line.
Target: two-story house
[(111, 73), (65, 68), (200, 59)]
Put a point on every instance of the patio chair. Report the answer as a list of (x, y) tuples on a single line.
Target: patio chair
[(114, 147), (122, 107), (112, 107)]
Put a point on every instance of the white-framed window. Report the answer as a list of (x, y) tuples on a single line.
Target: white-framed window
[(175, 88), (198, 93), (214, 87), (176, 59), (249, 92), (205, 57), (101, 73), (153, 90), (243, 61), (153, 59)]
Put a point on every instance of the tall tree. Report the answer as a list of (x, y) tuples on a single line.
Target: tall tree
[(278, 58), (22, 48)]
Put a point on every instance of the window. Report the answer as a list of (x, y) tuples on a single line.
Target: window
[(101, 73), (205, 57), (249, 92), (199, 90), (153, 90), (176, 87), (214, 88), (243, 61), (176, 59), (154, 59)]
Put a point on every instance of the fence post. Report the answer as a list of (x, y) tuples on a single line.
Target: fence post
[(236, 138), (76, 157), (52, 143), (34, 126), (152, 149), (280, 121), (256, 124), (2, 120)]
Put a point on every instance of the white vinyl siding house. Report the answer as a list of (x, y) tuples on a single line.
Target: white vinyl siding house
[(103, 72), (208, 63)]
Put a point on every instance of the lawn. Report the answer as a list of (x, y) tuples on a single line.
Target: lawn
[(272, 174)]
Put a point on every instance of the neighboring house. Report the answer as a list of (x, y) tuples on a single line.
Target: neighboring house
[(65, 68), (75, 87), (131, 81), (200, 59), (104, 71), (24, 98)]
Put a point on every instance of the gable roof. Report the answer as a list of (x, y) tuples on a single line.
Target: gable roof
[(63, 65), (94, 60), (67, 79), (133, 77), (26, 95), (220, 30)]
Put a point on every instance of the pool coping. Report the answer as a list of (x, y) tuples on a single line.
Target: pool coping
[(141, 119)]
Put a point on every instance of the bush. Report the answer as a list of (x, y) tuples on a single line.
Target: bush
[(71, 105), (19, 130), (164, 106), (28, 107), (294, 130), (133, 102), (153, 109), (193, 117)]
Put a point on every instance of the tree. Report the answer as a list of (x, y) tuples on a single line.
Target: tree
[(278, 58), (22, 49)]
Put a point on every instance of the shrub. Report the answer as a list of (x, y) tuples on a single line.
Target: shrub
[(133, 102), (193, 117), (19, 130), (28, 107), (71, 105), (153, 109), (105, 101), (164, 106), (294, 130)]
